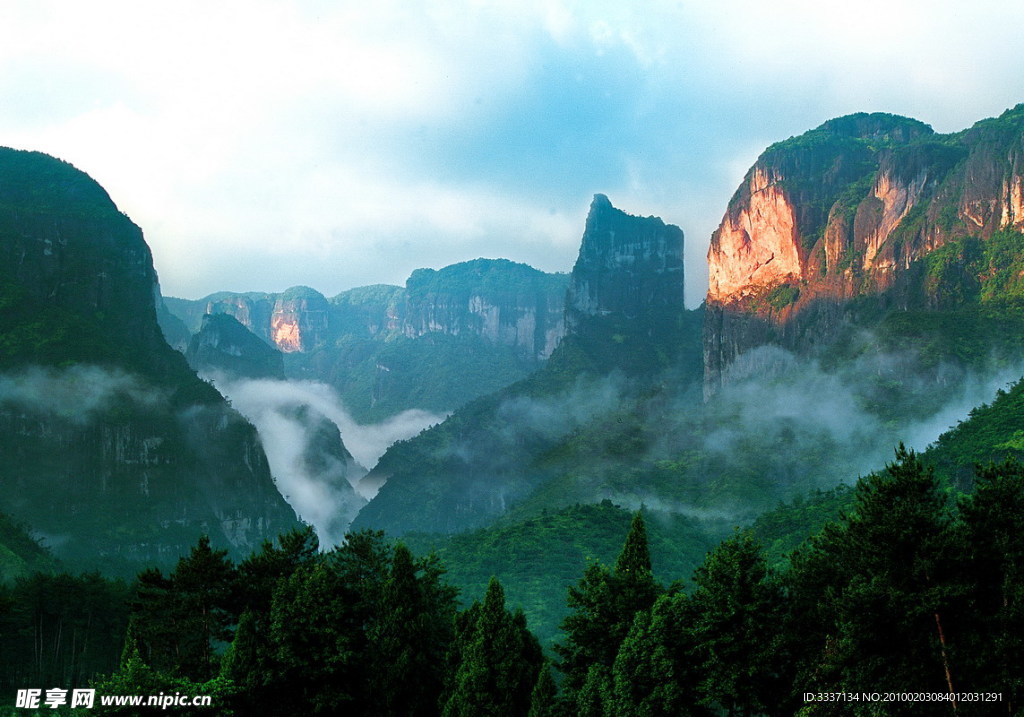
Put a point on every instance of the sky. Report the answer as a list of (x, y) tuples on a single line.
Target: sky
[(266, 144)]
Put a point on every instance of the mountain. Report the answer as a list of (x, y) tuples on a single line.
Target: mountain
[(853, 224), (447, 337), (628, 329), (114, 450), (223, 345)]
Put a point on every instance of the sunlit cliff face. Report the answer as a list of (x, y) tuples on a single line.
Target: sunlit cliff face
[(285, 333), (756, 246)]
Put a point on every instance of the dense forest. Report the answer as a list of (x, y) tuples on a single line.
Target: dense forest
[(915, 590)]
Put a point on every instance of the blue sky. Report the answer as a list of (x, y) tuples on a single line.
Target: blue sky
[(264, 144)]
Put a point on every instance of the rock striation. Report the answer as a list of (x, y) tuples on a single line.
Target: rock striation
[(447, 337), (847, 210)]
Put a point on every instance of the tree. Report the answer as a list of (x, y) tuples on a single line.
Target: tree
[(735, 617), (544, 698), (655, 671), (603, 606), (410, 637), (204, 586), (992, 558), (878, 589), (499, 665)]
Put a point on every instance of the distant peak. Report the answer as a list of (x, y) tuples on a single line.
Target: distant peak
[(601, 201)]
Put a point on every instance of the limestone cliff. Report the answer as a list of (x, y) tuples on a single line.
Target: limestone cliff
[(503, 302), (624, 305), (113, 448), (847, 210), (447, 337), (626, 326)]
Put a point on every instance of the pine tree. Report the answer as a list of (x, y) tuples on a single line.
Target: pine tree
[(409, 639), (204, 589), (594, 697), (603, 606), (736, 608), (544, 698), (655, 672), (498, 667), (991, 546), (872, 594)]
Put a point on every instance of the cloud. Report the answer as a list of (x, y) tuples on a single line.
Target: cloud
[(75, 394), (366, 442), (266, 144)]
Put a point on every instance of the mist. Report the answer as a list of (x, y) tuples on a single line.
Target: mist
[(860, 412), (317, 452), (76, 393), (781, 425)]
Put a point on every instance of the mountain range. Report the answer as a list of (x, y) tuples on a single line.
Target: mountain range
[(865, 288)]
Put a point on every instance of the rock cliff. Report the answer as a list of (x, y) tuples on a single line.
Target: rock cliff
[(627, 329), (503, 302), (114, 450), (447, 337), (223, 345), (847, 210)]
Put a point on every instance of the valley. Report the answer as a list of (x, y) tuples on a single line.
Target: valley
[(489, 424)]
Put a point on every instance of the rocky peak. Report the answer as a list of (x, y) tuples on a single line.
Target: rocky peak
[(224, 345), (300, 320), (845, 210), (155, 457), (504, 302), (630, 267)]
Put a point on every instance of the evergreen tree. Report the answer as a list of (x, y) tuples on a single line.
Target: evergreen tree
[(409, 638), (603, 606), (544, 698), (252, 661), (318, 649), (594, 698), (735, 611), (499, 666), (654, 673), (204, 586), (991, 545), (879, 589)]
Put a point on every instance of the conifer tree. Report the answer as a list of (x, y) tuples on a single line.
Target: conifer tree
[(594, 697), (735, 611), (499, 666), (544, 698), (991, 545), (603, 607), (655, 674), (877, 588), (409, 638)]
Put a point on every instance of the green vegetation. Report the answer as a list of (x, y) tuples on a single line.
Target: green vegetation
[(539, 557), (20, 553), (782, 296), (905, 586)]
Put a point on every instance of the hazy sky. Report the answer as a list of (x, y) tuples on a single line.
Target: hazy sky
[(263, 144)]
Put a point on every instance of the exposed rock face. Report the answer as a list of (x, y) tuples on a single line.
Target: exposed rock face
[(624, 315), (628, 267), (501, 301), (624, 308), (300, 320), (846, 210), (225, 346), (449, 336), (113, 447)]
